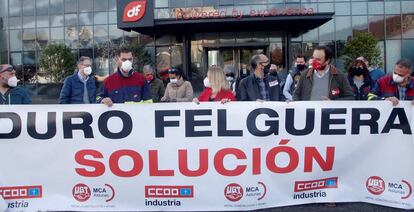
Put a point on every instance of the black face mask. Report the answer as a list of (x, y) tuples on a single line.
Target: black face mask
[(356, 71), (266, 69), (273, 73), (301, 67)]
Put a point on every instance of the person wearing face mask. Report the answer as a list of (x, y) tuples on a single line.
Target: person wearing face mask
[(79, 88), (398, 86), (293, 78), (216, 89), (260, 86), (125, 85), (360, 80), (178, 89), (231, 78), (9, 92), (157, 85), (323, 81)]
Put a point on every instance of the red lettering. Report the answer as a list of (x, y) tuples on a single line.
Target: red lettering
[(183, 163), (293, 159), (312, 153), (138, 163), (153, 165), (219, 162), (98, 167), (257, 164)]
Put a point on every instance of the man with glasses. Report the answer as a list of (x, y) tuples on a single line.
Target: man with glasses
[(80, 87), (260, 86), (10, 94), (125, 85), (323, 81), (399, 86)]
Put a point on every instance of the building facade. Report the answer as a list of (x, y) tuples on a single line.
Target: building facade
[(89, 28)]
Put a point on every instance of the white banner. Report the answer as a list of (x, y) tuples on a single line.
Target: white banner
[(186, 157)]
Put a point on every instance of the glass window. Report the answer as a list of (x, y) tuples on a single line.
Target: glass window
[(71, 20), (161, 3), (16, 40), (86, 19), (326, 7), (115, 34), (101, 18), (29, 39), (359, 8), (85, 36), (56, 7), (15, 7), (42, 37), (16, 58), (56, 20), (42, 21), (392, 7), (393, 27), (407, 6), (376, 7), (28, 8), (227, 37), (86, 6), (210, 2), (29, 22), (343, 27), (71, 37), (407, 49), (56, 35), (100, 33), (376, 26), (342, 9), (112, 18), (177, 3), (15, 22), (359, 24), (71, 6), (312, 35), (194, 3), (101, 5), (393, 53), (112, 5), (327, 31), (42, 7), (408, 25)]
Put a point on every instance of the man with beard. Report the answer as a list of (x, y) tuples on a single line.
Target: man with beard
[(9, 92)]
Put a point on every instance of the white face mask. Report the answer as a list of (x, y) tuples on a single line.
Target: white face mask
[(126, 66), (87, 71), (397, 79), (229, 79), (206, 83), (173, 80), (12, 81)]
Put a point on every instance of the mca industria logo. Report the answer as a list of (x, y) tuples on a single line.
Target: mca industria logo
[(134, 11), (167, 195)]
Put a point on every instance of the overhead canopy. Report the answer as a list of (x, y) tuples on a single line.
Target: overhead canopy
[(296, 25)]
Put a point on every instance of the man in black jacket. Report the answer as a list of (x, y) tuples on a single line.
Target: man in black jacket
[(260, 86)]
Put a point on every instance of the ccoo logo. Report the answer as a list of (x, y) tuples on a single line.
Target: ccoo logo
[(134, 11)]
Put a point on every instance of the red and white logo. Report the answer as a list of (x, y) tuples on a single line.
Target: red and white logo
[(134, 11), (21, 192), (233, 192), (375, 185), (160, 191), (335, 92), (81, 192), (316, 184)]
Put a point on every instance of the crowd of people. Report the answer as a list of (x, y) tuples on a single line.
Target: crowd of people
[(309, 80)]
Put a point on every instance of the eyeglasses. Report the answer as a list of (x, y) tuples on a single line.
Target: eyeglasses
[(401, 75), (8, 68), (173, 71), (264, 64)]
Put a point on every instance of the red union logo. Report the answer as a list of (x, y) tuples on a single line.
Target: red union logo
[(316, 184), (21, 192), (375, 185), (134, 11), (81, 192), (233, 192), (169, 191)]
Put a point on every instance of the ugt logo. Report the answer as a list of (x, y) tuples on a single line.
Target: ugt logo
[(134, 11)]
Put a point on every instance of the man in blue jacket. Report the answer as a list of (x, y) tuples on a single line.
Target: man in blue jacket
[(10, 94), (79, 88)]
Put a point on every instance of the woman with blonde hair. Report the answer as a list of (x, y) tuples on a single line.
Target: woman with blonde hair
[(217, 87)]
